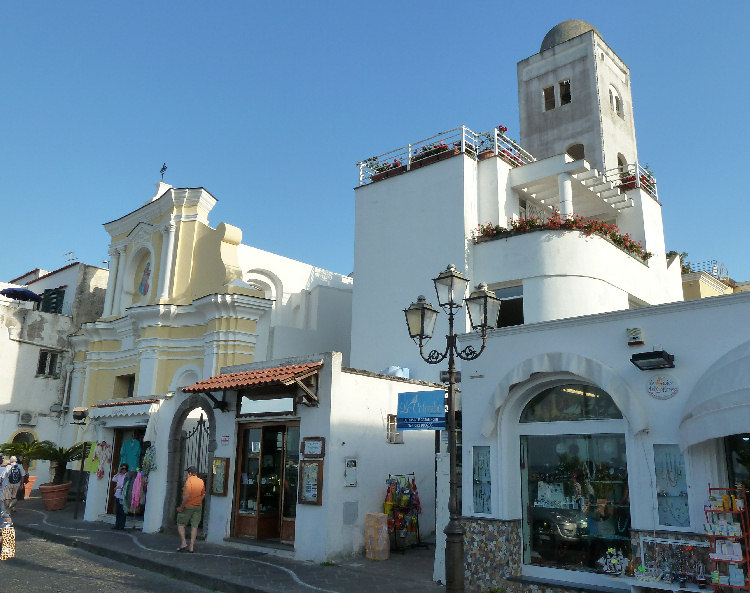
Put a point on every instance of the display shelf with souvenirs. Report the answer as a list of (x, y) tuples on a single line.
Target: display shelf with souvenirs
[(671, 563), (403, 507), (727, 528)]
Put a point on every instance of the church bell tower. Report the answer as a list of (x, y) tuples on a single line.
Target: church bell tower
[(574, 97)]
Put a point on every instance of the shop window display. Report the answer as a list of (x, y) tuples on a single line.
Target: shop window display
[(482, 481), (671, 486), (574, 486), (737, 449)]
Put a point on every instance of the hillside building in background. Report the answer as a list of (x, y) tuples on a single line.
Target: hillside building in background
[(35, 350)]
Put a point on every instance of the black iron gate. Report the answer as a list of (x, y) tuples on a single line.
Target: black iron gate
[(194, 448)]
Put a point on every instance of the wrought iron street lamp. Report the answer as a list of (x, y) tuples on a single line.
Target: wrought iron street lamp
[(484, 309)]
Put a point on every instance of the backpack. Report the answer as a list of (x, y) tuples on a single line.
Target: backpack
[(14, 476)]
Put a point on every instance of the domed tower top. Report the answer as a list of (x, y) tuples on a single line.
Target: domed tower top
[(566, 31), (575, 98)]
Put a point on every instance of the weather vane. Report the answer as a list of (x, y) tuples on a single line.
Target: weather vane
[(163, 170)]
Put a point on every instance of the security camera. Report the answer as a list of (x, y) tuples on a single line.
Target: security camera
[(80, 414)]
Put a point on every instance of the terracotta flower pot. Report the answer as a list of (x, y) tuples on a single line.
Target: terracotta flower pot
[(28, 486), (55, 496)]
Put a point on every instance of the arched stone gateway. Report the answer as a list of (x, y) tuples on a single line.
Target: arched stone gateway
[(175, 472)]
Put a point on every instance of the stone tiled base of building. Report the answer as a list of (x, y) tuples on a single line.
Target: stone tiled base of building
[(493, 551)]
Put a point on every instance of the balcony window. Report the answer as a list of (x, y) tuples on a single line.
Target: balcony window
[(511, 305), (47, 365), (52, 300)]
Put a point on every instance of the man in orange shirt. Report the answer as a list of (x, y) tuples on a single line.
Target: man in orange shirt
[(189, 512)]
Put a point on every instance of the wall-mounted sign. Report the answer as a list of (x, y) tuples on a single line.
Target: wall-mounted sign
[(314, 447), (225, 439), (662, 387), (421, 410), (350, 471), (310, 482), (219, 476)]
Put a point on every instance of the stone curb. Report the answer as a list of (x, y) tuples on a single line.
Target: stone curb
[(196, 578)]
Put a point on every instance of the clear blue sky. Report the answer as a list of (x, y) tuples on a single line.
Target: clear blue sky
[(270, 105)]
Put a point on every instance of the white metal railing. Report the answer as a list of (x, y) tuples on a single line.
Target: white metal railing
[(629, 177), (442, 145)]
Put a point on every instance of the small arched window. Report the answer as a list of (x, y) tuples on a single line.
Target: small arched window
[(615, 102), (569, 402)]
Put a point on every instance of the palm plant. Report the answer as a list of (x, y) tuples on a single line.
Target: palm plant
[(60, 456), (26, 452)]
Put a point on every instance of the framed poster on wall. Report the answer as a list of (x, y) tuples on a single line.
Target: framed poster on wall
[(311, 481), (219, 476), (313, 447)]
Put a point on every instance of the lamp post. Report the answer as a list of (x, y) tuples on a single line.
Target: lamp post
[(484, 308)]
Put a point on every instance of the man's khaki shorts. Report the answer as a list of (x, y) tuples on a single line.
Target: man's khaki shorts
[(190, 516)]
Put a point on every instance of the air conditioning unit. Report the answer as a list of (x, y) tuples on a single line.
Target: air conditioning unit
[(27, 418)]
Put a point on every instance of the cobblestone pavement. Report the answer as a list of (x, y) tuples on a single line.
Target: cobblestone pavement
[(45, 567), (228, 568)]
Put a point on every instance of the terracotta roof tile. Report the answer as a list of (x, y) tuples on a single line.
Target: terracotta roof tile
[(276, 375)]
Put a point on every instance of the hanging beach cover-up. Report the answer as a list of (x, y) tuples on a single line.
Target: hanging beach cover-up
[(102, 453), (135, 498)]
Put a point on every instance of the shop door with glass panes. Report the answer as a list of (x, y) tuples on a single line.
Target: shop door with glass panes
[(266, 500)]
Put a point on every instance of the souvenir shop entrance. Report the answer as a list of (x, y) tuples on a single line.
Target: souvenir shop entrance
[(266, 494), (128, 448)]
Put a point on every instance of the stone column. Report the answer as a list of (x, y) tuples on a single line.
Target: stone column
[(117, 298), (167, 254), (111, 282), (565, 187)]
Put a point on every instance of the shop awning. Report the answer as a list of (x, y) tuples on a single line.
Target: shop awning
[(719, 404), (285, 375), (128, 407)]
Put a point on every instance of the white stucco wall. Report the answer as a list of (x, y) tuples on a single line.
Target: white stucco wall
[(408, 229), (65, 277), (25, 334), (593, 349), (352, 418)]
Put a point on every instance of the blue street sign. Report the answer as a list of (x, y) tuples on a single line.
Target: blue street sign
[(421, 410)]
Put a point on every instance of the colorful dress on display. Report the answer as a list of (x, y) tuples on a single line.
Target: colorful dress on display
[(103, 456), (136, 495), (130, 453), (149, 460)]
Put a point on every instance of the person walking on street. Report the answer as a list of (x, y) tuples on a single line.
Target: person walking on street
[(189, 512), (10, 481), (119, 480)]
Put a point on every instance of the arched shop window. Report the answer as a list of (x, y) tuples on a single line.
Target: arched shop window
[(574, 482)]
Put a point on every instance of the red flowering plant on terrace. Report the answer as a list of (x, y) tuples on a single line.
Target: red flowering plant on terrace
[(587, 226), (379, 167), (429, 150)]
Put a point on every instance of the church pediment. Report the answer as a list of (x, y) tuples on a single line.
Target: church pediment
[(141, 233)]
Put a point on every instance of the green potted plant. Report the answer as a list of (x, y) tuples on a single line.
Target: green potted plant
[(55, 493), (26, 452)]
